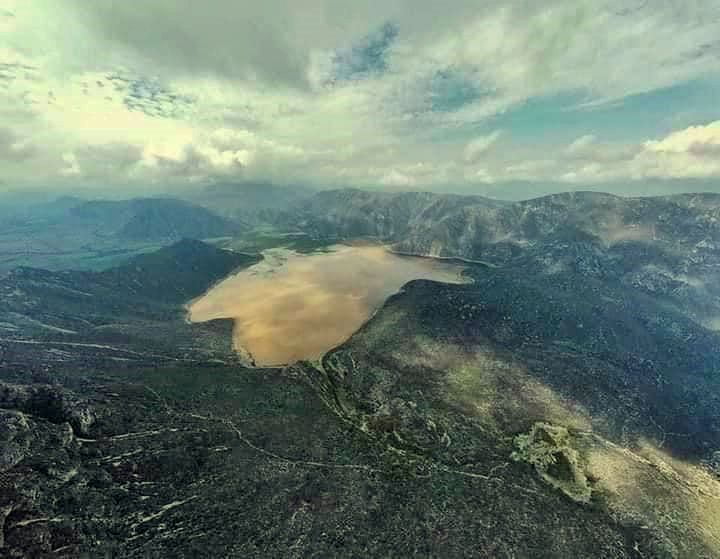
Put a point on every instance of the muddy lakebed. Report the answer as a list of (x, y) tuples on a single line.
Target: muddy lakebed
[(293, 306)]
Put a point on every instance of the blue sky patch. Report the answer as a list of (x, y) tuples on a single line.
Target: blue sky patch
[(149, 96), (368, 56), (562, 118), (451, 89)]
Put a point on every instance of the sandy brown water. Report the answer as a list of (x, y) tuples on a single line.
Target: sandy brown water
[(295, 306)]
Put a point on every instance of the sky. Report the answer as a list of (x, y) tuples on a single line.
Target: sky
[(401, 94)]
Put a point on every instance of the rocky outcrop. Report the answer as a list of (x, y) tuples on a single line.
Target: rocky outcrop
[(47, 402), (38, 456), (548, 449)]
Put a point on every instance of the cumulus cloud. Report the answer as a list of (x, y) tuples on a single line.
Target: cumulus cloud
[(699, 141), (679, 156), (690, 153), (195, 164)]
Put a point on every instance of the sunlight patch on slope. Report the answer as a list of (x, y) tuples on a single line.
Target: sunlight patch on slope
[(645, 486), (649, 487), (496, 390)]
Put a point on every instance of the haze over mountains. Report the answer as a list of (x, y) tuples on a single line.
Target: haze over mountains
[(667, 245), (249, 203), (565, 403), (93, 234)]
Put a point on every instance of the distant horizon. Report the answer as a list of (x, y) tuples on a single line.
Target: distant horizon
[(514, 192)]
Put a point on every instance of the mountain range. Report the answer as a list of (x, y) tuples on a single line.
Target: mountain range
[(96, 234)]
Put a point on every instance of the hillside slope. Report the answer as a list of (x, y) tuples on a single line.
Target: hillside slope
[(134, 311), (92, 235), (154, 219)]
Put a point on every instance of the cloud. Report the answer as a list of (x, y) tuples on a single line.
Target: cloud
[(531, 169), (266, 41), (479, 146), (100, 161), (451, 89), (195, 164), (14, 148), (70, 167), (699, 141), (336, 92), (690, 153), (582, 146), (589, 149), (396, 178)]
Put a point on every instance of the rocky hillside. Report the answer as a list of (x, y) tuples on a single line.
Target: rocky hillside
[(472, 226), (665, 245), (134, 311), (356, 213), (603, 219), (253, 203), (154, 219), (597, 389)]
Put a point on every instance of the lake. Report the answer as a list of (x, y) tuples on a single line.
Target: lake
[(294, 306)]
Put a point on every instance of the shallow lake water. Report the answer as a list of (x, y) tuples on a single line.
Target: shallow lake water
[(294, 306)]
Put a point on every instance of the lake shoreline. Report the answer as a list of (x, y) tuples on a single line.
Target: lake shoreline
[(294, 306)]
